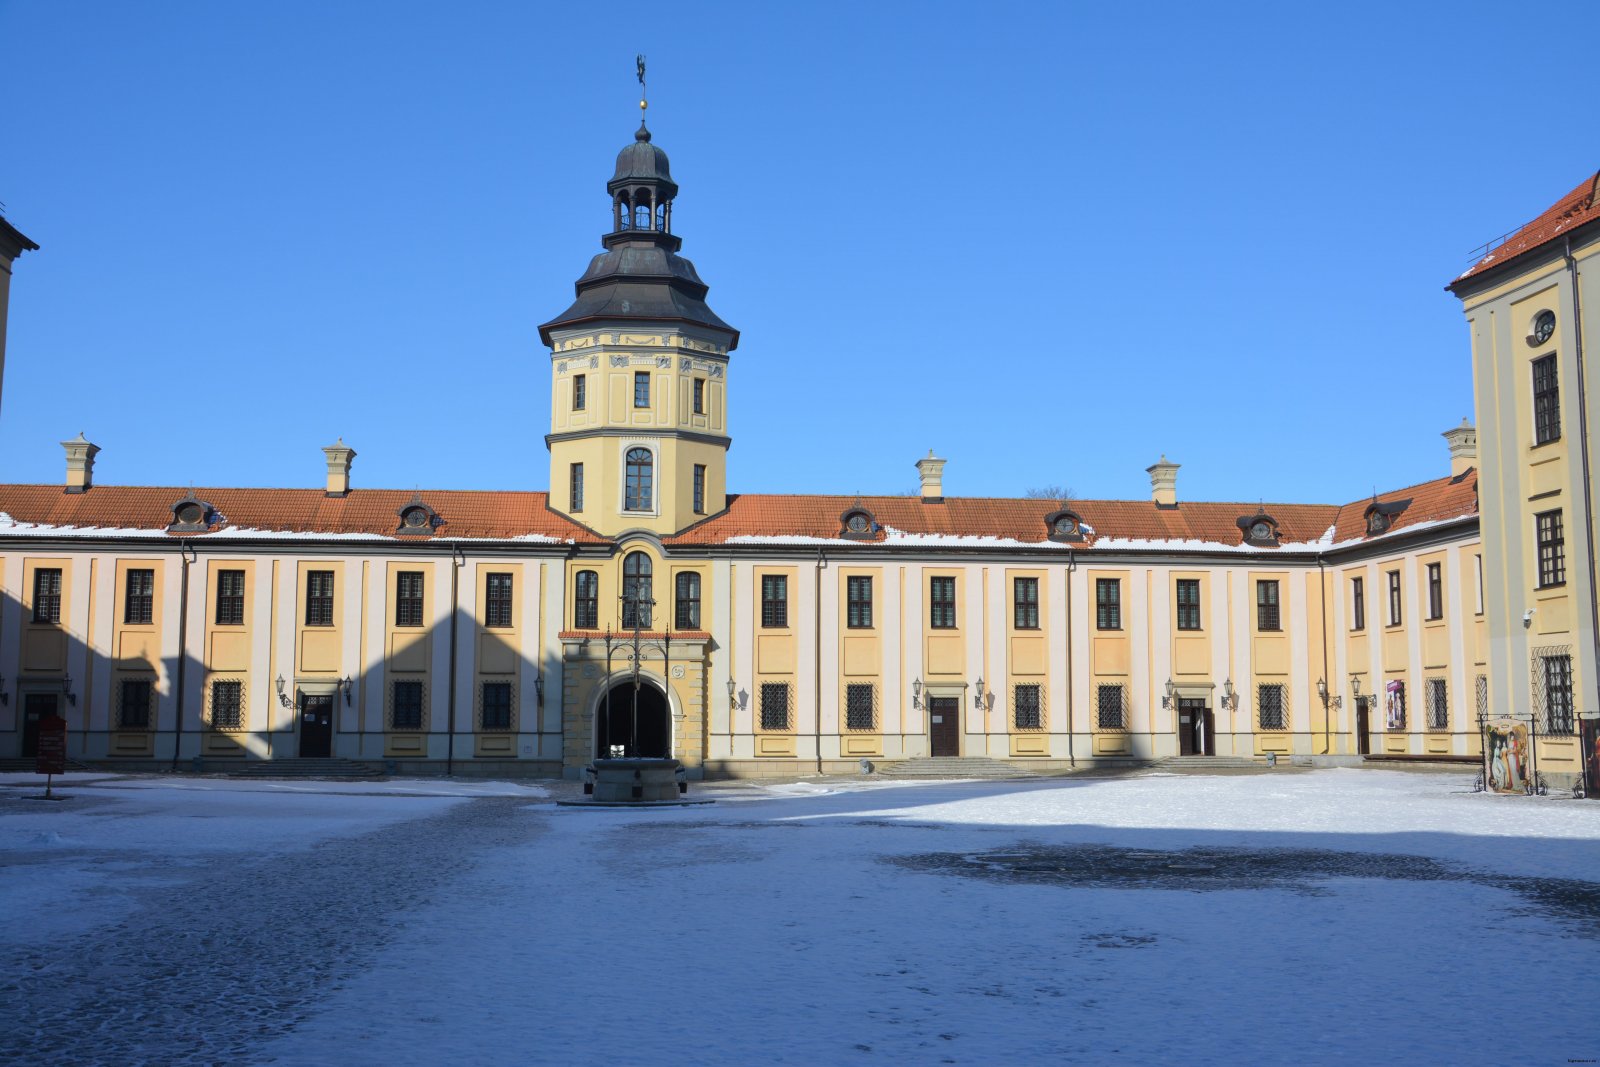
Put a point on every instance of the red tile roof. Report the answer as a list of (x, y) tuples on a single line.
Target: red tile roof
[(1568, 213)]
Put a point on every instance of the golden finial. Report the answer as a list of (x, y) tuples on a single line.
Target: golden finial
[(644, 102)]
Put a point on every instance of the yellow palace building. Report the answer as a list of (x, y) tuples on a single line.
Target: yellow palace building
[(641, 605)]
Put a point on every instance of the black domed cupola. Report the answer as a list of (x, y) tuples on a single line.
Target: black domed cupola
[(642, 188)]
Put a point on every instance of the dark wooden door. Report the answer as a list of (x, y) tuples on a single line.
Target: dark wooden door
[(1363, 739), (1195, 732), (944, 726), (316, 726), (35, 706)]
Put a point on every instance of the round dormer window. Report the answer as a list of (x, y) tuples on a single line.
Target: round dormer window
[(414, 518), (191, 514), (1260, 531), (1544, 325), (1065, 525), (856, 523)]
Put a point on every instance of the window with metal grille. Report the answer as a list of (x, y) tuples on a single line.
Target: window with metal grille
[(1546, 401), (941, 603), (1435, 591), (138, 603), (1394, 598), (1108, 603), (1478, 559), (408, 598), (580, 392), (639, 490), (230, 598), (575, 486), (497, 601), (1267, 614), (1436, 698), (1552, 548), (1025, 603), (1558, 694), (47, 595), (1269, 706), (586, 601), (1110, 710), (1025, 707), (1480, 689), (637, 571), (860, 711), (858, 602), (319, 598), (406, 706), (688, 601), (699, 396), (1188, 603), (641, 388), (496, 705), (699, 488), (774, 706), (133, 704), (227, 705), (774, 601), (1358, 604)]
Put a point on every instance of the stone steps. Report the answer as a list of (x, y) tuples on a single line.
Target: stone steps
[(954, 767), (292, 767), (1240, 763), (25, 764)]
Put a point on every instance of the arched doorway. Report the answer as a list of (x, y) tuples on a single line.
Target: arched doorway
[(638, 719)]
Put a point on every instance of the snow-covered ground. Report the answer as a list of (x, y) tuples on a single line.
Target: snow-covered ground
[(172, 920)]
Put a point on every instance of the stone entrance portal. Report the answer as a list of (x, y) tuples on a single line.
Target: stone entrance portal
[(635, 717)]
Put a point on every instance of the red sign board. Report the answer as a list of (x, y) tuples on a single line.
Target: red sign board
[(52, 755)]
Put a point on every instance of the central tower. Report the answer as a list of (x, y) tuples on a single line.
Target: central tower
[(639, 371)]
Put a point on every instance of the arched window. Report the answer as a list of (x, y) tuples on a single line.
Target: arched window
[(688, 601), (641, 217), (636, 598), (586, 601), (639, 491)]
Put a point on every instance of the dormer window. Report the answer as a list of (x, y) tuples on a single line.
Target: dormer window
[(1380, 515), (1260, 530), (190, 515), (1377, 522), (1063, 526), (417, 519), (857, 524)]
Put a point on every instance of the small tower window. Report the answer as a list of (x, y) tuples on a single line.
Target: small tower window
[(639, 491), (857, 524), (641, 388)]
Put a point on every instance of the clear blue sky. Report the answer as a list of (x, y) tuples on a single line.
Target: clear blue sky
[(1215, 231)]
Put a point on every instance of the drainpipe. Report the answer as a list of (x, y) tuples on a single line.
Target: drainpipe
[(1583, 452), (1072, 565), (456, 563), (1327, 701), (184, 549), (816, 660)]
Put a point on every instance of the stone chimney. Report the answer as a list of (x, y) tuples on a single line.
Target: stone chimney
[(931, 471), (1163, 482), (80, 463), (1463, 448), (339, 456)]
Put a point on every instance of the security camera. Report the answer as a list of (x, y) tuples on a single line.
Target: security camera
[(1527, 617)]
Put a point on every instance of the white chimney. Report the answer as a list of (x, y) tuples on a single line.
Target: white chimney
[(80, 463), (931, 471), (1463, 448), (339, 456), (1163, 482)]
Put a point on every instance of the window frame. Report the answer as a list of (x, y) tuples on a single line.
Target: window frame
[(1549, 535), (319, 605), (639, 477), (854, 695), (641, 585), (586, 601), (686, 600), (1102, 691), (774, 700), (500, 724), (1546, 400), (1108, 609), (1434, 576), (1189, 617), (1281, 702), (1032, 708), (410, 592), (148, 705), (139, 608), (580, 392), (698, 395), (698, 502), (410, 685), (1397, 607), (858, 601), (575, 487), (1560, 718), (47, 586), (499, 600), (229, 608), (1358, 602), (1436, 700), (234, 705), (1024, 606), (641, 390), (1269, 606), (941, 602), (774, 601)]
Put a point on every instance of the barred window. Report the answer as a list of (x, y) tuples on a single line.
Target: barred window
[(688, 601), (1188, 603), (138, 606), (1481, 693), (774, 601), (496, 705), (637, 572), (227, 705), (47, 595), (319, 598), (497, 601), (774, 706), (941, 603), (1269, 705), (230, 598), (1026, 707), (1025, 603), (699, 488), (639, 490), (1394, 598), (641, 388), (859, 710), (1110, 708), (858, 596), (1552, 549), (580, 392), (133, 704), (1438, 709), (1558, 694), (1358, 604), (1267, 615), (586, 601), (407, 706), (699, 396), (1435, 592), (1108, 603), (408, 599), (575, 486), (1546, 401)]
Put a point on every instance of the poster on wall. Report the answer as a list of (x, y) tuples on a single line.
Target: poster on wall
[(1395, 705), (1508, 757), (1591, 760)]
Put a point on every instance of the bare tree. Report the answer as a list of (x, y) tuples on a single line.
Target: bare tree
[(1049, 492)]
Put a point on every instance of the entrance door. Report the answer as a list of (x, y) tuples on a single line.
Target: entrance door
[(944, 726), (637, 720), (1363, 738), (1196, 731), (35, 706), (316, 726)]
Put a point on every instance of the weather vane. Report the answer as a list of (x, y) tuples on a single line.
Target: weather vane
[(644, 96)]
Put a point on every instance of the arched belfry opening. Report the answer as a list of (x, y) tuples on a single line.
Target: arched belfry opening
[(636, 716)]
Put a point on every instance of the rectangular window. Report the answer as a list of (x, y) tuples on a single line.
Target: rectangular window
[(1552, 549), (138, 605), (774, 706), (497, 601), (1558, 694), (1479, 563), (497, 705), (1358, 604), (1188, 603), (319, 598), (1394, 598), (1269, 704), (133, 708), (859, 713), (47, 595), (699, 396), (688, 601), (1026, 709), (1546, 401), (1435, 591), (1267, 614), (1480, 690), (586, 601), (575, 486), (580, 392), (1438, 709), (1025, 603), (1109, 711), (1108, 603), (774, 601), (408, 599), (227, 708), (858, 606), (230, 598), (641, 388), (699, 488), (407, 706), (941, 603)]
